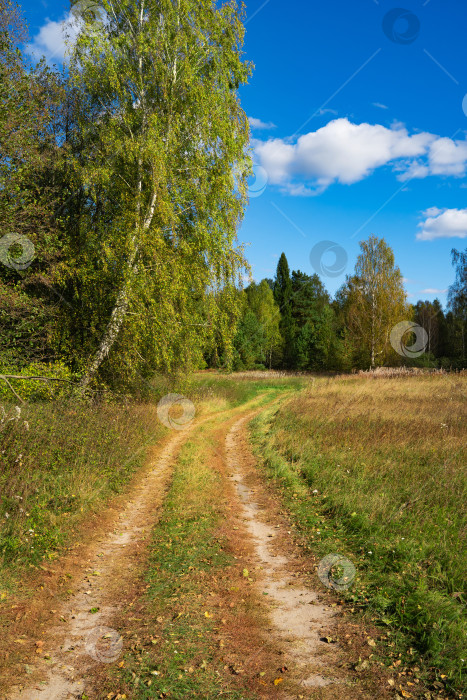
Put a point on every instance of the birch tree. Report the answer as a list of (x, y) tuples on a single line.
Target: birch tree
[(160, 135), (375, 299)]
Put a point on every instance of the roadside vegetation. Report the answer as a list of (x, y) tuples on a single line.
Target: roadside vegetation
[(59, 463), (374, 469)]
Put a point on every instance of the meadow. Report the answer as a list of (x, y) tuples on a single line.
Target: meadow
[(374, 468)]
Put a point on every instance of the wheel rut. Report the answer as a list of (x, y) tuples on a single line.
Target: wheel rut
[(297, 616), (83, 637)]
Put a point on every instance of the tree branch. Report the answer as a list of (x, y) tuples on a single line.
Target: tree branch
[(2, 376)]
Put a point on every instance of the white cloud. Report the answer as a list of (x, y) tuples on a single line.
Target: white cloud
[(431, 290), (443, 223), (347, 153), (50, 41), (258, 124), (54, 38), (381, 106), (448, 157)]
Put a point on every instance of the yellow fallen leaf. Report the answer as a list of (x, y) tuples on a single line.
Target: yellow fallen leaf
[(405, 694), (206, 614), (245, 573), (121, 664), (278, 680)]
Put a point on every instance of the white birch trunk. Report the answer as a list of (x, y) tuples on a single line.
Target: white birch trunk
[(121, 305)]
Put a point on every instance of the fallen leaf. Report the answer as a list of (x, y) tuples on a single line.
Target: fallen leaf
[(278, 680), (362, 665)]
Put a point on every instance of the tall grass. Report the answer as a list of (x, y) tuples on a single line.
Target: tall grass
[(59, 461), (382, 466)]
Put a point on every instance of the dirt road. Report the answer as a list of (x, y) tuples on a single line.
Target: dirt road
[(72, 649)]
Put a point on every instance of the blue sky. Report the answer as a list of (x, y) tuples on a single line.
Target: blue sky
[(358, 127)]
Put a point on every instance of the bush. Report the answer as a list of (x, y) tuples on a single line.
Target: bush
[(33, 390)]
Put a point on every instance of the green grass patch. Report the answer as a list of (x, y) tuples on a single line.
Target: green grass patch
[(237, 390)]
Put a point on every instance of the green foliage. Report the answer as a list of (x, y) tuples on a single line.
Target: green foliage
[(34, 389), (457, 302), (31, 163), (258, 340), (283, 296), (159, 135), (374, 301)]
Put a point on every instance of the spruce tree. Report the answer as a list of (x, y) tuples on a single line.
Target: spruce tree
[(283, 296)]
